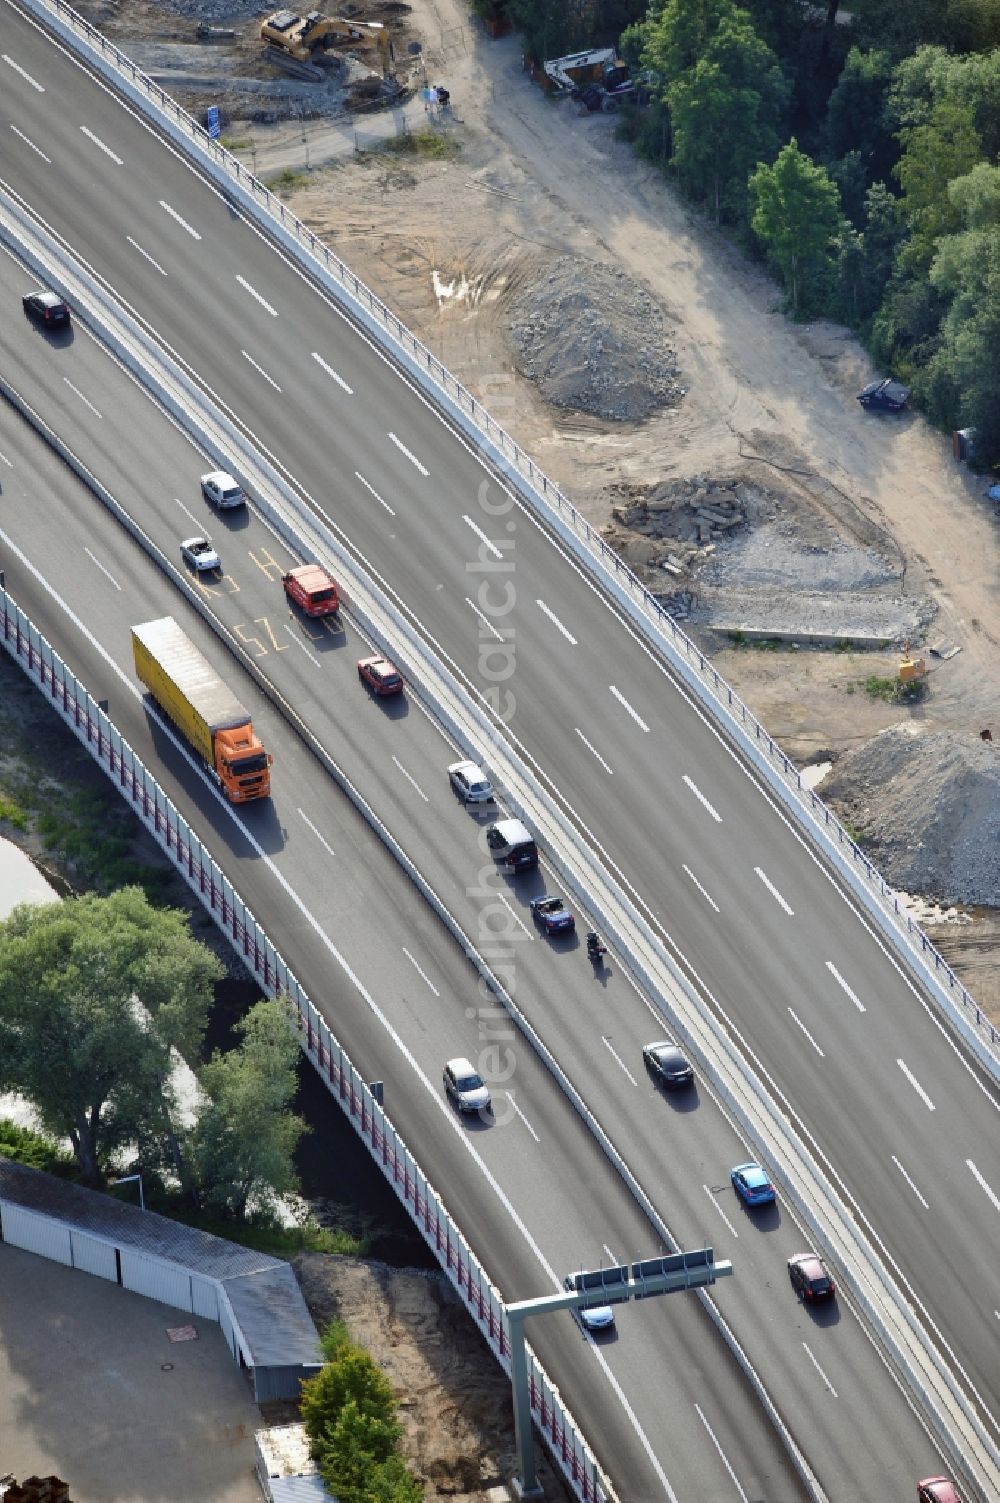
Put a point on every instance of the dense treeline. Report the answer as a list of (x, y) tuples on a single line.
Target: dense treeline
[(853, 145)]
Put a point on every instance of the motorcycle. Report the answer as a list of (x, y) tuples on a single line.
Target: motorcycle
[(596, 949)]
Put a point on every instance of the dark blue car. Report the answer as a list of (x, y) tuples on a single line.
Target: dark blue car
[(552, 915)]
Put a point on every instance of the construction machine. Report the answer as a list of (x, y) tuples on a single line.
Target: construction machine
[(598, 75), (301, 37)]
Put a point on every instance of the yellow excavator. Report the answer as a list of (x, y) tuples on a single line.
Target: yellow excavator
[(301, 36)]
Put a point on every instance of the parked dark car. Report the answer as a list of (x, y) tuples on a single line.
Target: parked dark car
[(884, 396)]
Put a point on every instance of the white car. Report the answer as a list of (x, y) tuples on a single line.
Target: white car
[(465, 1086), (222, 490), (199, 554), (593, 1317), (470, 783)]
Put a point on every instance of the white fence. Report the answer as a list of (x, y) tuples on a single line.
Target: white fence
[(139, 788)]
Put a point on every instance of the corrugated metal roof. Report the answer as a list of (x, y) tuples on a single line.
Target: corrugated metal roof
[(274, 1318), (103, 1216)]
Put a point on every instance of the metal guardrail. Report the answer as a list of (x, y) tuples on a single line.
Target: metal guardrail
[(807, 805), (140, 790)]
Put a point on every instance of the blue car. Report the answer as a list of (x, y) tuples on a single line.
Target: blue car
[(752, 1185)]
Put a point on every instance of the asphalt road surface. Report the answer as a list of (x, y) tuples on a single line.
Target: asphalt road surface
[(904, 1118)]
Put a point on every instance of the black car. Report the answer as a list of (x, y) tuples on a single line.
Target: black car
[(46, 308), (810, 1277), (884, 396), (669, 1064)]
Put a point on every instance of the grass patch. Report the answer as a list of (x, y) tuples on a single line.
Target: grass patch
[(12, 813), (286, 181), (422, 143), (236, 143), (91, 830), (894, 691), (278, 1241), (25, 1146), (739, 639)]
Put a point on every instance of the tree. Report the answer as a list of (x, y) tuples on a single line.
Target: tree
[(961, 385), (242, 1145), (880, 240), (725, 111), (94, 993), (948, 146), (678, 38), (357, 1444), (856, 115), (796, 216)]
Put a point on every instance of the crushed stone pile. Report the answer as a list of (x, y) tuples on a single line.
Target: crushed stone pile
[(927, 806), (759, 558), (594, 341)]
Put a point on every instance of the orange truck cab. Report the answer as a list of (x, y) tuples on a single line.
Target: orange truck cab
[(203, 708), (313, 589)]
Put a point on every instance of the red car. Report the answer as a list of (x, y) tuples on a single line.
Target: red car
[(937, 1490), (313, 589), (811, 1278), (381, 676)]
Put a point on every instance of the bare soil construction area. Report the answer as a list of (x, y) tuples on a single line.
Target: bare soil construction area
[(649, 369)]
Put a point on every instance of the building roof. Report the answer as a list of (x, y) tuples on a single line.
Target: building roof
[(113, 1220), (274, 1318), (262, 1290)]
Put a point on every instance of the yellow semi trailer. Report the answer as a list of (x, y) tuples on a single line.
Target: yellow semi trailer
[(203, 708)]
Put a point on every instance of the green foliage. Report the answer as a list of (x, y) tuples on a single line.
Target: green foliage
[(946, 147), (261, 1232), (12, 813), (725, 112), (357, 1443), (35, 1149), (286, 181), (856, 115), (350, 1417), (679, 37), (430, 145), (94, 992), (796, 216), (241, 1148), (894, 691), (335, 1339)]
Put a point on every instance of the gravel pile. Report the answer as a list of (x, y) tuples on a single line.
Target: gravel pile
[(927, 806), (594, 341)]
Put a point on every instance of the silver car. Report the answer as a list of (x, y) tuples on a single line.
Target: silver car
[(470, 783), (465, 1086), (592, 1317), (199, 554), (222, 490)]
